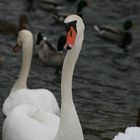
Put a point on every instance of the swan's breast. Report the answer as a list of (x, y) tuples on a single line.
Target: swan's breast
[(26, 122)]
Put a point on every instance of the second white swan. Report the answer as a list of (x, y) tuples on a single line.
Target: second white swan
[(42, 99)]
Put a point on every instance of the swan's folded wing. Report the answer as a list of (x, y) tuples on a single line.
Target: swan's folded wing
[(40, 98)]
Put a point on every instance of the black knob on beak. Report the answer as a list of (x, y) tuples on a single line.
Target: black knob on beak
[(68, 47)]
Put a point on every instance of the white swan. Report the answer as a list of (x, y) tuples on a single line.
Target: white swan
[(28, 123), (20, 94)]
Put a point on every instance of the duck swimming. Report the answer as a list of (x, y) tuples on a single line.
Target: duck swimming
[(48, 5), (7, 27), (30, 5), (122, 38), (59, 17), (48, 53)]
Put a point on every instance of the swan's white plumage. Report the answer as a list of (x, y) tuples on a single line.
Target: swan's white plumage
[(131, 133), (28, 123), (70, 127), (39, 98)]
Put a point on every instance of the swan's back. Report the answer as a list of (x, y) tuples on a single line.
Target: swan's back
[(28, 123), (131, 133), (39, 98)]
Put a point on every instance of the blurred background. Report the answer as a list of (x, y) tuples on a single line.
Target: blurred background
[(106, 84)]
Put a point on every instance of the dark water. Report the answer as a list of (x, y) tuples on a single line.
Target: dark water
[(106, 83)]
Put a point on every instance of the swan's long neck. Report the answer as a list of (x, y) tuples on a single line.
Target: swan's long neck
[(70, 127), (26, 62)]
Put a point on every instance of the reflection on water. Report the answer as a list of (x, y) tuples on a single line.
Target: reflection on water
[(106, 81)]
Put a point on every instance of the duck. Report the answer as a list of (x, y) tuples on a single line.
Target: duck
[(121, 37), (42, 99), (59, 17), (48, 53), (10, 28), (30, 5), (50, 6), (26, 122)]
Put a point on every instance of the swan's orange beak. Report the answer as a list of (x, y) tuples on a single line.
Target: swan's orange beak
[(16, 47), (70, 38)]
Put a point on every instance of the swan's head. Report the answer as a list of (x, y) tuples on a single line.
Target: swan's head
[(23, 35), (74, 28)]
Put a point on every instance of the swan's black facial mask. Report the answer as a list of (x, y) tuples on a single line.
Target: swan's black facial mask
[(71, 32), (68, 25)]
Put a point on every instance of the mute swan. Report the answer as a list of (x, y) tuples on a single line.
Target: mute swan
[(47, 53), (121, 37), (28, 123), (40, 98)]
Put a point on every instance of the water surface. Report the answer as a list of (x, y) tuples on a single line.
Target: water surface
[(106, 84)]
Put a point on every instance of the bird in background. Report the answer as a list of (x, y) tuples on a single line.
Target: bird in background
[(122, 37), (60, 16), (48, 53), (10, 28)]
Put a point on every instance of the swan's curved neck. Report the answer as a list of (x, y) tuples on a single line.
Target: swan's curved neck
[(70, 127), (26, 62)]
